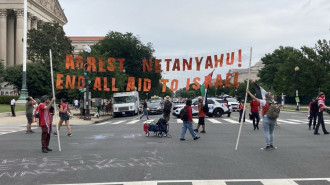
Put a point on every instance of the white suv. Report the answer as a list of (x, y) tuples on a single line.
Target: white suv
[(217, 107)]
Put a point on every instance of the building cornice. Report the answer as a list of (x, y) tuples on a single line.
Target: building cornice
[(52, 8)]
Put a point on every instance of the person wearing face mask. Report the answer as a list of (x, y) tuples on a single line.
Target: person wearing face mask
[(321, 105)]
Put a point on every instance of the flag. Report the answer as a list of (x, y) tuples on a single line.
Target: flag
[(260, 92), (202, 89), (207, 80)]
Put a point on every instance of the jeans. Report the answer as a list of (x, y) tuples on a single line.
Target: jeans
[(187, 125), (269, 125), (320, 121), (145, 112), (312, 116)]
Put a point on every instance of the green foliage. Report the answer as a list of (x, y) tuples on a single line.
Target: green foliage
[(6, 99), (48, 36), (279, 71), (129, 47), (13, 75), (2, 70)]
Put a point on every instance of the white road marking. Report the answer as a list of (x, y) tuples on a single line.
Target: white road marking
[(249, 121), (179, 121), (300, 121), (230, 120), (213, 120), (103, 123), (284, 121), (195, 120), (134, 121), (115, 123)]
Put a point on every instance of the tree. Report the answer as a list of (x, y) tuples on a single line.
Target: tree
[(129, 47), (48, 36), (2, 69)]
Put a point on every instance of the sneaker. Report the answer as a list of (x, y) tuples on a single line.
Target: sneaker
[(44, 150), (203, 131), (48, 149), (31, 131), (28, 132), (195, 138), (55, 133), (182, 139), (326, 133), (196, 130), (70, 135), (272, 147), (267, 148)]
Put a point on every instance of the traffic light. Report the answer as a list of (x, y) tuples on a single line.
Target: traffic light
[(85, 69)]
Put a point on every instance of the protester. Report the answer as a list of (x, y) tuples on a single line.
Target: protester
[(30, 102), (320, 121), (110, 107), (187, 124), (76, 104), (255, 113), (167, 111), (312, 113), (64, 116), (268, 124), (12, 107), (240, 109), (45, 122), (229, 107), (201, 116), (145, 109)]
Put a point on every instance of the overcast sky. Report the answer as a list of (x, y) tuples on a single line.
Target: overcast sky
[(185, 28)]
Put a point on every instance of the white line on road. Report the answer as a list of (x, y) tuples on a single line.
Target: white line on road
[(103, 123), (230, 120), (115, 123), (134, 121), (283, 121), (214, 121), (179, 121)]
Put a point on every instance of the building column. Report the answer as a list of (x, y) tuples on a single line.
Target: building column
[(11, 39), (3, 36), (29, 21), (19, 36), (34, 23)]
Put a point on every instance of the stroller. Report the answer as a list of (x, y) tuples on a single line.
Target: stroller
[(159, 128)]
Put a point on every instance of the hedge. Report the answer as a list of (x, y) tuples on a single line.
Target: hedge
[(6, 99)]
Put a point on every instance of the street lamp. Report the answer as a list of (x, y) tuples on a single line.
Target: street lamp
[(87, 49), (297, 87)]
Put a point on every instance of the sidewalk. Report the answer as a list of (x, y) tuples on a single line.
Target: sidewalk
[(6, 118)]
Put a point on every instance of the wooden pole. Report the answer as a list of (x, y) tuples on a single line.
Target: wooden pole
[(244, 109), (53, 89)]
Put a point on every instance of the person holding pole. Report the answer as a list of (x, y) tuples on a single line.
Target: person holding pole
[(45, 122), (268, 123)]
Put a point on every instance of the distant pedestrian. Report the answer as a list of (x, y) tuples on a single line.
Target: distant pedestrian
[(12, 107), (45, 122), (255, 113), (81, 105), (30, 102), (201, 116), (240, 109), (167, 111), (268, 123), (76, 104), (145, 109), (187, 122), (110, 107), (312, 113), (229, 107), (320, 121), (64, 116)]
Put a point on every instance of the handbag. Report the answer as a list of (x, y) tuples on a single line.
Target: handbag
[(251, 116)]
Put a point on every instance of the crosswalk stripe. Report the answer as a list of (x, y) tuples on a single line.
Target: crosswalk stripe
[(103, 123), (149, 121), (214, 120), (284, 121), (132, 122), (230, 120), (115, 123), (249, 121), (179, 121), (300, 121), (195, 120)]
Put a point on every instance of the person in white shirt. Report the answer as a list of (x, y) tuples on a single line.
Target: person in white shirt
[(12, 106), (76, 104)]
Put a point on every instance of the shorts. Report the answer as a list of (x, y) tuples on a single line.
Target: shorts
[(29, 118), (201, 121), (64, 117), (167, 117)]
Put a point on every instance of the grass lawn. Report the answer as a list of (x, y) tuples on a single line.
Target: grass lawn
[(6, 108), (294, 108)]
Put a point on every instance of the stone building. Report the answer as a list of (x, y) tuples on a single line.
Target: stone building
[(12, 25), (79, 42), (243, 74)]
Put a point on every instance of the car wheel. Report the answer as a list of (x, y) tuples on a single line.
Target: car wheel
[(218, 113)]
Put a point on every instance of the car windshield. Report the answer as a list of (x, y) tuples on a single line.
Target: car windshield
[(154, 105), (123, 99), (231, 100)]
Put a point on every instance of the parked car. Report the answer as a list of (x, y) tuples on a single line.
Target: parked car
[(155, 108), (217, 107), (233, 104)]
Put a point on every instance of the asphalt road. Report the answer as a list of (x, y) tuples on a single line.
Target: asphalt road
[(118, 151)]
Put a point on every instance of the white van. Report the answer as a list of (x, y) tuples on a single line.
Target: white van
[(125, 103)]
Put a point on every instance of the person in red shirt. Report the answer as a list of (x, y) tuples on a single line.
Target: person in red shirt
[(64, 111), (45, 122), (187, 124), (201, 116), (240, 109), (255, 113), (312, 113), (320, 121)]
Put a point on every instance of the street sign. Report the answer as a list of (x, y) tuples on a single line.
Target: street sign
[(81, 90)]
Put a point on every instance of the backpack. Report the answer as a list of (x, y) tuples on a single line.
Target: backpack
[(167, 107), (273, 111), (314, 107), (184, 114)]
